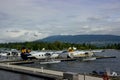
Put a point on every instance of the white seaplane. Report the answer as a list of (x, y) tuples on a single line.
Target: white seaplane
[(71, 53), (43, 54), (12, 52), (47, 56)]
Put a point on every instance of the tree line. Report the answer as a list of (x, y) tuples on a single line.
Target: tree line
[(57, 45)]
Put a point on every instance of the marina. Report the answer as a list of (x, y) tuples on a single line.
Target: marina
[(59, 39), (60, 68)]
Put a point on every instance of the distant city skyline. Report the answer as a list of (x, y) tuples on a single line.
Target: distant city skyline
[(29, 20)]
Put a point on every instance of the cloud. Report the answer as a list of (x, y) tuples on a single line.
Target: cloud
[(36, 19), (21, 35)]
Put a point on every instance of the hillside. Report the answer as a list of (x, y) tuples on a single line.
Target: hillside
[(83, 38)]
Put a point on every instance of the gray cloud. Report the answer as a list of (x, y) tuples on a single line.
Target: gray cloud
[(36, 19)]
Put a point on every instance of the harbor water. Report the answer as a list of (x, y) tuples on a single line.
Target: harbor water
[(6, 75), (99, 65)]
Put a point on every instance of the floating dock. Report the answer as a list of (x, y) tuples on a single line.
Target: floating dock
[(16, 62), (105, 57), (44, 73)]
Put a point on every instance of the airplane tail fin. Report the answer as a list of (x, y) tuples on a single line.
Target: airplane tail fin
[(71, 49)]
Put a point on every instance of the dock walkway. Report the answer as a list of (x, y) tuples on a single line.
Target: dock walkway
[(48, 74), (43, 73)]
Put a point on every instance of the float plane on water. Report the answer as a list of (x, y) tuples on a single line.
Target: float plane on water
[(43, 54), (12, 52), (70, 53)]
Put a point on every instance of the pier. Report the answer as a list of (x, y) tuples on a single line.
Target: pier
[(14, 66), (43, 73)]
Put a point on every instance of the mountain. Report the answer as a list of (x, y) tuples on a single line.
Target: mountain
[(83, 38)]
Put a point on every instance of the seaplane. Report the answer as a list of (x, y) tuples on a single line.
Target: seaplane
[(12, 52), (84, 55), (46, 57), (70, 53), (73, 53), (43, 55)]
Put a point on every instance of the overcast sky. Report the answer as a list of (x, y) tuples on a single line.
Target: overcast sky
[(28, 20)]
